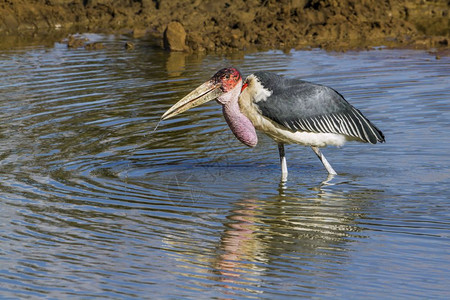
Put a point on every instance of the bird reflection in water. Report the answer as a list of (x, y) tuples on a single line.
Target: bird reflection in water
[(314, 223), (240, 246)]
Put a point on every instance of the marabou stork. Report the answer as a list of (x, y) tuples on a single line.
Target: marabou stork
[(290, 111)]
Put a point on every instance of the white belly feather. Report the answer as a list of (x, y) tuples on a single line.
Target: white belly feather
[(282, 134)]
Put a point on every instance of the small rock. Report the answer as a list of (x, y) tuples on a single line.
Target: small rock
[(75, 42), (175, 37), (94, 46), (129, 46)]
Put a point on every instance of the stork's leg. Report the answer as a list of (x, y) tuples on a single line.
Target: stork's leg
[(284, 171), (324, 161)]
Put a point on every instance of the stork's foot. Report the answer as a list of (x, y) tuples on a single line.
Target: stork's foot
[(324, 161)]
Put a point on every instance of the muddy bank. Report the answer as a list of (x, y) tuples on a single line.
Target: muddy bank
[(237, 24)]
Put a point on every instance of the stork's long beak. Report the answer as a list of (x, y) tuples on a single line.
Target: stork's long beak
[(204, 93)]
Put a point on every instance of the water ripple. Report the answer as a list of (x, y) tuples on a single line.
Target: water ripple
[(96, 203)]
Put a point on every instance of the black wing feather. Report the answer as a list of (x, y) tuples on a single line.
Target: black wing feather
[(305, 106)]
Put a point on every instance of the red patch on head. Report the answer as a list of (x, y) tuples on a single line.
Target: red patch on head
[(244, 86), (228, 77)]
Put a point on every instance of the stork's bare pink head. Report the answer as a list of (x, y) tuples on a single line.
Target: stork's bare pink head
[(228, 78)]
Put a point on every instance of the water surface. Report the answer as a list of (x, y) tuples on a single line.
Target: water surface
[(93, 203)]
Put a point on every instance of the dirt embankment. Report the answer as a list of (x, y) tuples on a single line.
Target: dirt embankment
[(213, 25)]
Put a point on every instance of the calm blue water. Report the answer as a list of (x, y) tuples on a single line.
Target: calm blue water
[(93, 203)]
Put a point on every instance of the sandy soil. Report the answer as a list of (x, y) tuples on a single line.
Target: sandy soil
[(237, 24)]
